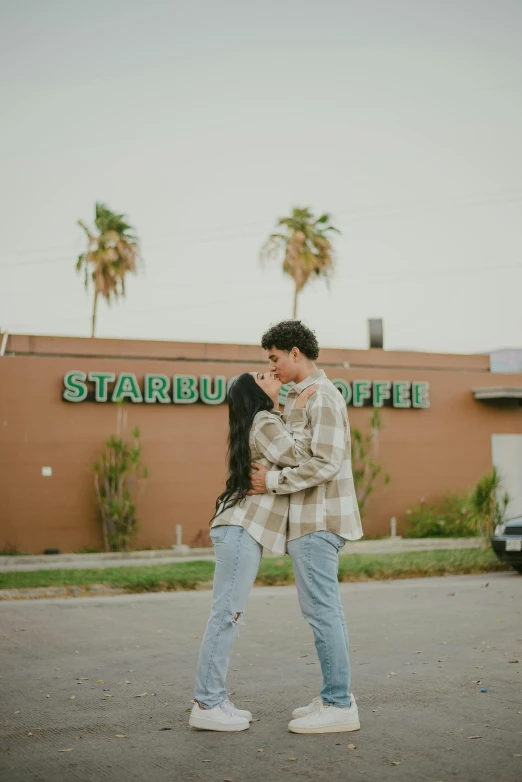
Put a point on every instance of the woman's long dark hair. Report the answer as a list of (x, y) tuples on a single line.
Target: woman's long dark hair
[(245, 399)]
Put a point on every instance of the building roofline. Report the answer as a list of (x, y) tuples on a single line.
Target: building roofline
[(46, 345)]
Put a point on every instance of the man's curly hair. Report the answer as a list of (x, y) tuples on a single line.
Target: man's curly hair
[(291, 334)]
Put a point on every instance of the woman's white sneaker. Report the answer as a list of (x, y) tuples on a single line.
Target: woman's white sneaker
[(327, 719), (240, 712), (222, 717), (302, 711)]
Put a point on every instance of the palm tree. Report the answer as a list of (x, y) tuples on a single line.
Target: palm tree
[(111, 252), (304, 247)]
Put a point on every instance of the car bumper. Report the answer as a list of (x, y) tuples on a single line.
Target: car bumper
[(499, 547)]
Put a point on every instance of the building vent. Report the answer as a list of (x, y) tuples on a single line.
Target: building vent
[(375, 330)]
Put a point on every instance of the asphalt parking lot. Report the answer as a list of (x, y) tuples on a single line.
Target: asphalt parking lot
[(98, 688)]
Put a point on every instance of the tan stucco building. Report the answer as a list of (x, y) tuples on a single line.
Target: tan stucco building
[(445, 419)]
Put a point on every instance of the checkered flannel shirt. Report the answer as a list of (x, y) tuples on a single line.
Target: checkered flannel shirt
[(321, 489), (274, 445)]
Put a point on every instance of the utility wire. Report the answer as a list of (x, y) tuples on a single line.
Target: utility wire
[(371, 213), (401, 277)]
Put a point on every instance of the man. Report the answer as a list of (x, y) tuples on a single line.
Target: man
[(323, 515)]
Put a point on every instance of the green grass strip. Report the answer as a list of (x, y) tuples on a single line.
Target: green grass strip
[(273, 571)]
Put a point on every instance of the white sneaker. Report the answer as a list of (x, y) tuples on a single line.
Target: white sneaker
[(240, 712), (222, 717), (327, 719), (302, 711)]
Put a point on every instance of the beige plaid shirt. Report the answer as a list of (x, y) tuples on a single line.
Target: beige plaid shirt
[(265, 516), (321, 489)]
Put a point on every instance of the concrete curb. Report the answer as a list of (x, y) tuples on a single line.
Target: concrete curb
[(90, 590), (33, 593), (34, 559), (396, 545)]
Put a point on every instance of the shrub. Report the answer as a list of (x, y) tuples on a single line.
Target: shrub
[(466, 515), (365, 469), (486, 509), (10, 550), (117, 476), (448, 517)]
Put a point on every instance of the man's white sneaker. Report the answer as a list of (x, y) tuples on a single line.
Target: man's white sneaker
[(222, 717), (302, 711), (327, 719)]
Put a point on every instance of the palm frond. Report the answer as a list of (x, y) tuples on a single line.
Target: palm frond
[(274, 245), (303, 246), (85, 228), (111, 253)]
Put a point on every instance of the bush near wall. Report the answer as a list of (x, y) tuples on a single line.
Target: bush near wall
[(448, 517)]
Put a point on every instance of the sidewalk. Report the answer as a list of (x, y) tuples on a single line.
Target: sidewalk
[(185, 554)]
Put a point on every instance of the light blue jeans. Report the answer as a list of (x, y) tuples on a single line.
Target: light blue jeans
[(237, 561), (315, 560)]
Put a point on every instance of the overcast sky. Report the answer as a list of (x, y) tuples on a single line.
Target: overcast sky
[(205, 121)]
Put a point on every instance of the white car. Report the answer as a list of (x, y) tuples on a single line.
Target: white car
[(507, 542)]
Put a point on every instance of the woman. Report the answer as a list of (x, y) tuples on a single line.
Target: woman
[(242, 525)]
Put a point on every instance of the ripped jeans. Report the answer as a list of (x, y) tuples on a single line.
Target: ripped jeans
[(237, 561)]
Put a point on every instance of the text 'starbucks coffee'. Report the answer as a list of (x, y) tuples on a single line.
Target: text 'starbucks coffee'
[(188, 389)]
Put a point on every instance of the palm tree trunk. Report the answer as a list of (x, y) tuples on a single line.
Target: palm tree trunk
[(295, 304), (96, 294)]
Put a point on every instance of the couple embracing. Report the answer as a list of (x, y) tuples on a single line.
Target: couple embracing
[(290, 489)]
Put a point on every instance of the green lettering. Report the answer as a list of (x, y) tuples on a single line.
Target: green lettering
[(75, 387), (156, 389), (101, 380), (345, 389), (283, 395), (420, 395), (205, 389), (127, 387), (381, 391), (401, 394), (185, 390), (361, 392)]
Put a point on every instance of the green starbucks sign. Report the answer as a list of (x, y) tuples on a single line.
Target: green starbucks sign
[(187, 389), (402, 394)]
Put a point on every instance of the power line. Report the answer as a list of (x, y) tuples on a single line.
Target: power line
[(398, 276), (403, 276), (370, 213), (174, 246), (40, 262), (413, 207)]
